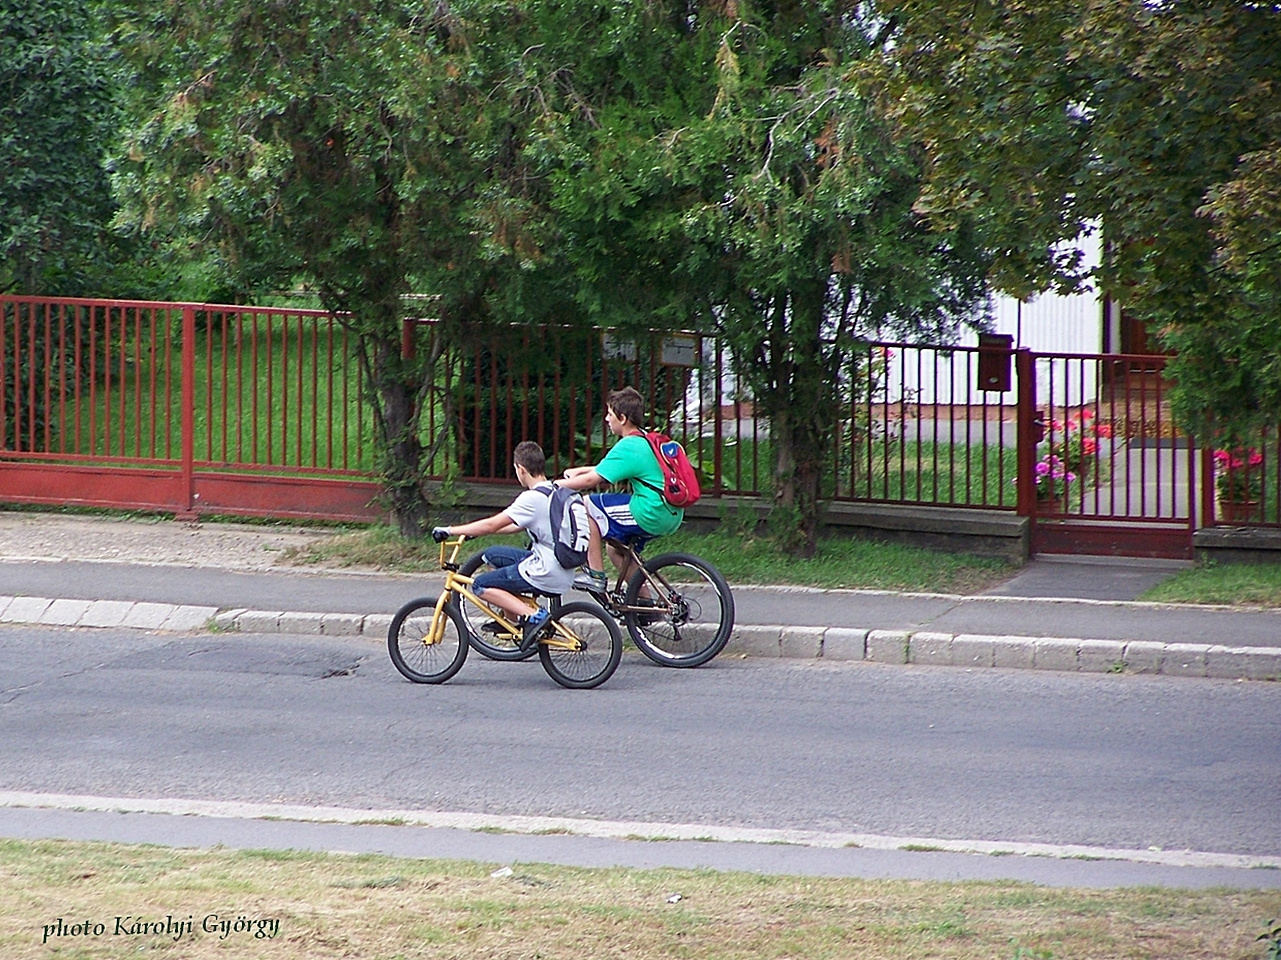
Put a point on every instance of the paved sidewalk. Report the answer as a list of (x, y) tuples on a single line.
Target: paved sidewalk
[(1056, 614)]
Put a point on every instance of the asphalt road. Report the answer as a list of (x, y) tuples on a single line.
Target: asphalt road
[(1116, 761)]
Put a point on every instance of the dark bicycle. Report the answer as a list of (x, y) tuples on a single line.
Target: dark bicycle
[(678, 610)]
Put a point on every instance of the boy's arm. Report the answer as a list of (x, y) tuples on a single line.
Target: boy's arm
[(581, 478), (498, 523)]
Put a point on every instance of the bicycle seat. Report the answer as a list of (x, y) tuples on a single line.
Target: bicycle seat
[(635, 542)]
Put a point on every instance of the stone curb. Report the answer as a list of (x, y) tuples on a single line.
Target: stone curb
[(105, 613), (923, 647), (1077, 655)]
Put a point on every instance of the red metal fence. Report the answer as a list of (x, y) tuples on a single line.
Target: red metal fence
[(182, 407), (197, 408)]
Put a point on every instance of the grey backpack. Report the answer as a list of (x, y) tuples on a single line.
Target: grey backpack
[(570, 535)]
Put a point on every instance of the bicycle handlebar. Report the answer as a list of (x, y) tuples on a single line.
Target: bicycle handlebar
[(457, 543)]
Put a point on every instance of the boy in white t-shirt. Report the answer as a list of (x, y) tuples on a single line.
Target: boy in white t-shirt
[(518, 571)]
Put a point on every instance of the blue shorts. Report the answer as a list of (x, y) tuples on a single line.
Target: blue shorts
[(612, 513), (504, 576)]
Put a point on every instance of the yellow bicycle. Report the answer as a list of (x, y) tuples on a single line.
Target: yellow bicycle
[(580, 646), (677, 608)]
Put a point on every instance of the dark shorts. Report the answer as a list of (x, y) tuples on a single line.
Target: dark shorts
[(504, 576)]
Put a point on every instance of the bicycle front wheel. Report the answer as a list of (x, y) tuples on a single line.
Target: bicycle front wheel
[(692, 610), (413, 652), (495, 646), (591, 656)]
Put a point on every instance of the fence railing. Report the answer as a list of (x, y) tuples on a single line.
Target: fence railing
[(182, 406), (197, 390), (892, 442), (249, 388)]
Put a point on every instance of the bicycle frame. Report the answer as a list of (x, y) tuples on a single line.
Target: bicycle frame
[(458, 584), (615, 597)]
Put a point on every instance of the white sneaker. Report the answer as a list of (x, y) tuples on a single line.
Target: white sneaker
[(593, 581)]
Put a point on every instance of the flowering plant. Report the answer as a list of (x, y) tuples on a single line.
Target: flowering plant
[(1238, 473), (1052, 478), (1075, 441)]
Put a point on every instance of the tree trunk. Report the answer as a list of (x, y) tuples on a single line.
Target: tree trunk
[(801, 421), (395, 381), (398, 391)]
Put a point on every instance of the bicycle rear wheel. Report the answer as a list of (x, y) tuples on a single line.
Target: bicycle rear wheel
[(413, 655), (693, 610), (599, 648), (501, 646)]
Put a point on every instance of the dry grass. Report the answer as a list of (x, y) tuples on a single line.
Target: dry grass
[(378, 907)]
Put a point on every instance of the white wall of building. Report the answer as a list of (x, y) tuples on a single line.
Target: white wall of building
[(1048, 323)]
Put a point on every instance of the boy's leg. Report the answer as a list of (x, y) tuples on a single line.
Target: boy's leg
[(510, 603), (598, 523), (613, 512), (501, 556), (623, 561), (595, 555), (501, 586)]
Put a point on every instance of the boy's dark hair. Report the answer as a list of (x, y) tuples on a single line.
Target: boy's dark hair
[(629, 404), (530, 456)]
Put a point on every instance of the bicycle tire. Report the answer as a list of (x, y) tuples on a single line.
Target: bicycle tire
[(697, 613), (597, 660), (473, 618), (412, 656)]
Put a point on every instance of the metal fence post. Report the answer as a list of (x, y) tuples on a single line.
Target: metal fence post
[(187, 510), (1208, 506), (1025, 367)]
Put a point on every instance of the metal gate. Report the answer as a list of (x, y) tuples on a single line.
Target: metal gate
[(1110, 472)]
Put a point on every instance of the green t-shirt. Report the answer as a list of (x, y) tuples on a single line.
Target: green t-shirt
[(632, 459)]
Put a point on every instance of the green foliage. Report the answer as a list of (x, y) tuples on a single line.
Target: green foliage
[(1243, 584), (318, 141), (57, 120), (1271, 936), (712, 165), (1158, 121)]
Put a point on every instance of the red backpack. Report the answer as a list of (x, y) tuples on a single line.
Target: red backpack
[(680, 482)]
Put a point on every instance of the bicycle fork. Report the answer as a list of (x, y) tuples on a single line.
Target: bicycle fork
[(437, 632)]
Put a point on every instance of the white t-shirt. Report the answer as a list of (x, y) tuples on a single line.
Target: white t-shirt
[(531, 511)]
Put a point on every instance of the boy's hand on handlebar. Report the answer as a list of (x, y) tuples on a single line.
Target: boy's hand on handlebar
[(440, 534)]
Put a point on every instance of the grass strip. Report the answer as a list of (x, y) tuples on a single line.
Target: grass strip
[(1244, 584), (743, 559), (372, 907)]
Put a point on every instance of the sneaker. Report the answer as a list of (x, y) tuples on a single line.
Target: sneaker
[(495, 628), (534, 624), (593, 581)]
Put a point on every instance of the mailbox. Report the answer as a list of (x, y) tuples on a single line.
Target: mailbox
[(995, 353)]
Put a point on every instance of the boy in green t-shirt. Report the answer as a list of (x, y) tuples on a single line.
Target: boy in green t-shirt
[(637, 516)]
